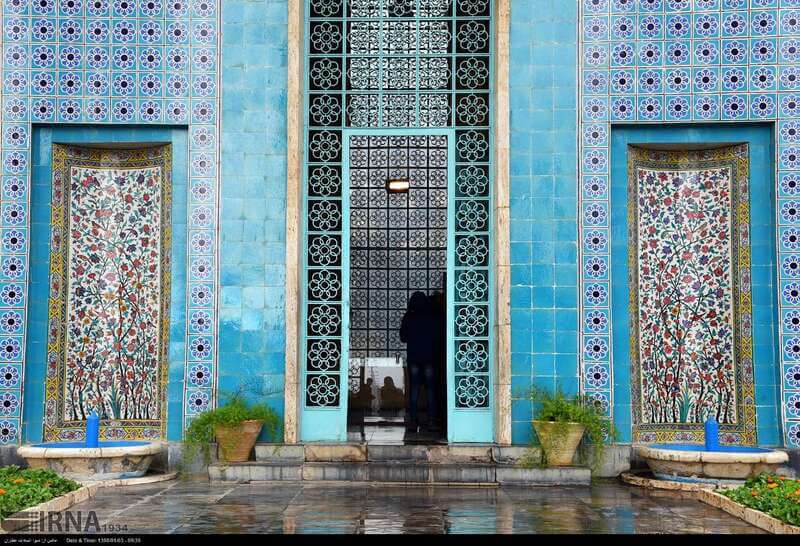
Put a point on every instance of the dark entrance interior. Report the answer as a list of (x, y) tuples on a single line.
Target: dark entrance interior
[(398, 248)]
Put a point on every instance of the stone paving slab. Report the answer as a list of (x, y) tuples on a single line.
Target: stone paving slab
[(303, 507)]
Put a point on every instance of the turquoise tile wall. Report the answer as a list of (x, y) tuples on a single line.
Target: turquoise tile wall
[(545, 217), (544, 221), (253, 199), (672, 62), (129, 65), (545, 208)]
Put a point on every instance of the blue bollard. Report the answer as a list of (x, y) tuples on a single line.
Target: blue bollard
[(712, 434), (93, 430)]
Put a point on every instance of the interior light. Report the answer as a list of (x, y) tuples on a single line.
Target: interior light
[(397, 185)]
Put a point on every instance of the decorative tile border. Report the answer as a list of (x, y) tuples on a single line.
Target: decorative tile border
[(661, 61), (99, 62)]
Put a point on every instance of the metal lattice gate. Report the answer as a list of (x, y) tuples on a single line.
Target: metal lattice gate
[(386, 65)]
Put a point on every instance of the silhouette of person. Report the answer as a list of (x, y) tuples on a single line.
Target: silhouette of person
[(364, 395), (391, 396), (419, 331)]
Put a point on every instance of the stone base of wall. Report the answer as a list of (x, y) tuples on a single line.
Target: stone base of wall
[(617, 458), (794, 460), (8, 456), (171, 460)]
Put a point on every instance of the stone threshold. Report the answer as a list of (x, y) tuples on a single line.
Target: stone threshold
[(353, 452), (414, 463)]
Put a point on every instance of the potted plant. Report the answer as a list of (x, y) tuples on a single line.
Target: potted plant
[(236, 426), (561, 423)]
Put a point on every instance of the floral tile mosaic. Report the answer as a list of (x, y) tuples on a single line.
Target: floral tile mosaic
[(691, 299), (680, 61), (146, 62), (109, 292)]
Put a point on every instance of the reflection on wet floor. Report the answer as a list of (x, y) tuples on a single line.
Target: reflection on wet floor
[(387, 434), (200, 507)]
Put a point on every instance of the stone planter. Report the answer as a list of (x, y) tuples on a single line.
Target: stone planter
[(681, 462), (45, 510), (110, 461), (559, 440), (237, 442), (753, 517)]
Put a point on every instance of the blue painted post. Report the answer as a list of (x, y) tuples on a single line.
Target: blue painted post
[(93, 430), (712, 434)]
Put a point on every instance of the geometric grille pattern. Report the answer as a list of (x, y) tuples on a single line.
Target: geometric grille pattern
[(677, 61), (398, 241), (148, 62), (395, 64)]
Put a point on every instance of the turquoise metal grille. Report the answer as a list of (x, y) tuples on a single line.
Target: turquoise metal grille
[(382, 65)]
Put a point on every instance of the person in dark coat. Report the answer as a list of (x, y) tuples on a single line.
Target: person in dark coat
[(420, 332)]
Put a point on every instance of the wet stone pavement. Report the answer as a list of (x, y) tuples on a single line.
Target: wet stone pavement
[(201, 507)]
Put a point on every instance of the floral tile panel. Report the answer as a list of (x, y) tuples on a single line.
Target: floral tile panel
[(109, 292), (691, 336)]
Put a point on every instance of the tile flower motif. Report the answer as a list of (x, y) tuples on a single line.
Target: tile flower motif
[(689, 342), (110, 353)]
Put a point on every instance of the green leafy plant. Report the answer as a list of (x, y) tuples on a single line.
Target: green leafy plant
[(774, 495), (560, 409), (199, 436), (21, 489)]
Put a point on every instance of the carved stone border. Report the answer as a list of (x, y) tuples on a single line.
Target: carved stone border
[(705, 493), (37, 513), (502, 246), (294, 189)]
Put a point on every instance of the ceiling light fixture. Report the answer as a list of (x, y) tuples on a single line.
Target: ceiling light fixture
[(398, 185)]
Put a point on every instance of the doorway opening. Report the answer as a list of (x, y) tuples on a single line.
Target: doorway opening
[(398, 250)]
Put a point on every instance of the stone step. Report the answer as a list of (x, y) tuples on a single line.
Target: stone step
[(616, 458), (399, 472), (255, 471), (317, 452)]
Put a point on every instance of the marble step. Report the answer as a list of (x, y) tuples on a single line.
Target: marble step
[(399, 472)]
